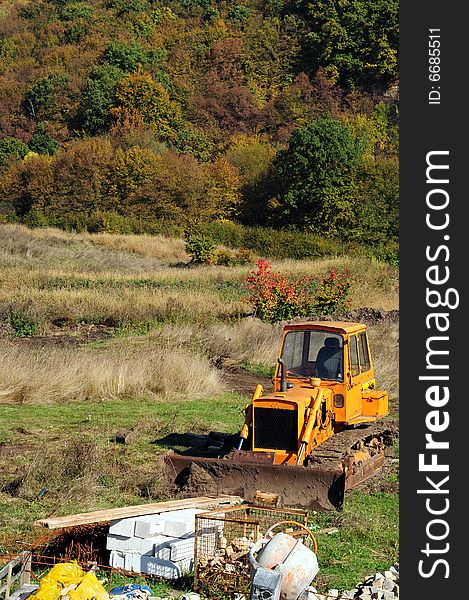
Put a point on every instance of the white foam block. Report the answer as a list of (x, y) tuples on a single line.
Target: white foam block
[(124, 527), (148, 526)]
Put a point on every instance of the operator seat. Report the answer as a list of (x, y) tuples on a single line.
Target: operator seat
[(329, 361)]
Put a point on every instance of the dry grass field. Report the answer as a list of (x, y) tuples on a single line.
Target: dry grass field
[(100, 332)]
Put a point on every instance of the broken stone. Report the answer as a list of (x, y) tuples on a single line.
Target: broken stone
[(223, 543), (333, 593), (389, 585), (389, 575)]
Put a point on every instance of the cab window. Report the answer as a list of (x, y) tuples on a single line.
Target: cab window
[(354, 364), (364, 354), (313, 353)]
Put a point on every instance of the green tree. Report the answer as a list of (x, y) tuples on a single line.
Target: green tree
[(99, 97), (41, 142), (126, 57), (378, 210), (43, 100), (316, 177), (355, 40)]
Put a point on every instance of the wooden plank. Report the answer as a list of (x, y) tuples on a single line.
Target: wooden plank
[(13, 563), (23, 592), (103, 516), (25, 577), (9, 581)]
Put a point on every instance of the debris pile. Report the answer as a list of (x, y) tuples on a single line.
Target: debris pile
[(380, 586), (160, 545), (227, 558)]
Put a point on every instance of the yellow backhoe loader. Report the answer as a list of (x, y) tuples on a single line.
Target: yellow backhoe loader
[(317, 434)]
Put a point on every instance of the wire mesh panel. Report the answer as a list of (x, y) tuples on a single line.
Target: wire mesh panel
[(222, 544)]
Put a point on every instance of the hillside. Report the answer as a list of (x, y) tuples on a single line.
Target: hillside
[(129, 116)]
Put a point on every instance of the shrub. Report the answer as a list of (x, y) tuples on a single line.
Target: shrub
[(333, 293), (271, 242), (22, 324), (199, 248), (229, 258), (276, 297)]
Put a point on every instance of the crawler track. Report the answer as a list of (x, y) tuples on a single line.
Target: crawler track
[(334, 452)]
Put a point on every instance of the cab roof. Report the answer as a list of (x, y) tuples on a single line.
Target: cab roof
[(345, 327)]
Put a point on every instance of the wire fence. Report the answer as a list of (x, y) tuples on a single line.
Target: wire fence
[(222, 543)]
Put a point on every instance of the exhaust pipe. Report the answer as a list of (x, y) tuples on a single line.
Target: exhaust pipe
[(283, 376)]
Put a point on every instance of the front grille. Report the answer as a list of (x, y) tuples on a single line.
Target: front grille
[(276, 429)]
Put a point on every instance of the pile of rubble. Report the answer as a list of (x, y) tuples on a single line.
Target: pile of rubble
[(380, 586), (227, 558)]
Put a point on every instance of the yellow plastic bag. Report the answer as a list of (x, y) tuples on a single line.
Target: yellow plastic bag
[(47, 591), (89, 588), (65, 574)]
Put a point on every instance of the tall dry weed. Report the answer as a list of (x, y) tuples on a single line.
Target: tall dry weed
[(59, 375), (384, 344)]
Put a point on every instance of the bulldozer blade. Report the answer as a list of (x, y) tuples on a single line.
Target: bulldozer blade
[(297, 487)]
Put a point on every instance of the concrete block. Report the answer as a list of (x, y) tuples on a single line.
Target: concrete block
[(121, 560), (162, 548), (179, 523), (148, 526), (182, 549), (123, 527), (116, 542), (157, 567), (209, 539), (134, 545)]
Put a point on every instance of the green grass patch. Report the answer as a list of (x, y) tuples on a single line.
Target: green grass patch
[(367, 539), (259, 370), (223, 412)]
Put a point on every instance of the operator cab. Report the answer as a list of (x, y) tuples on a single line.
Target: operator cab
[(312, 353)]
